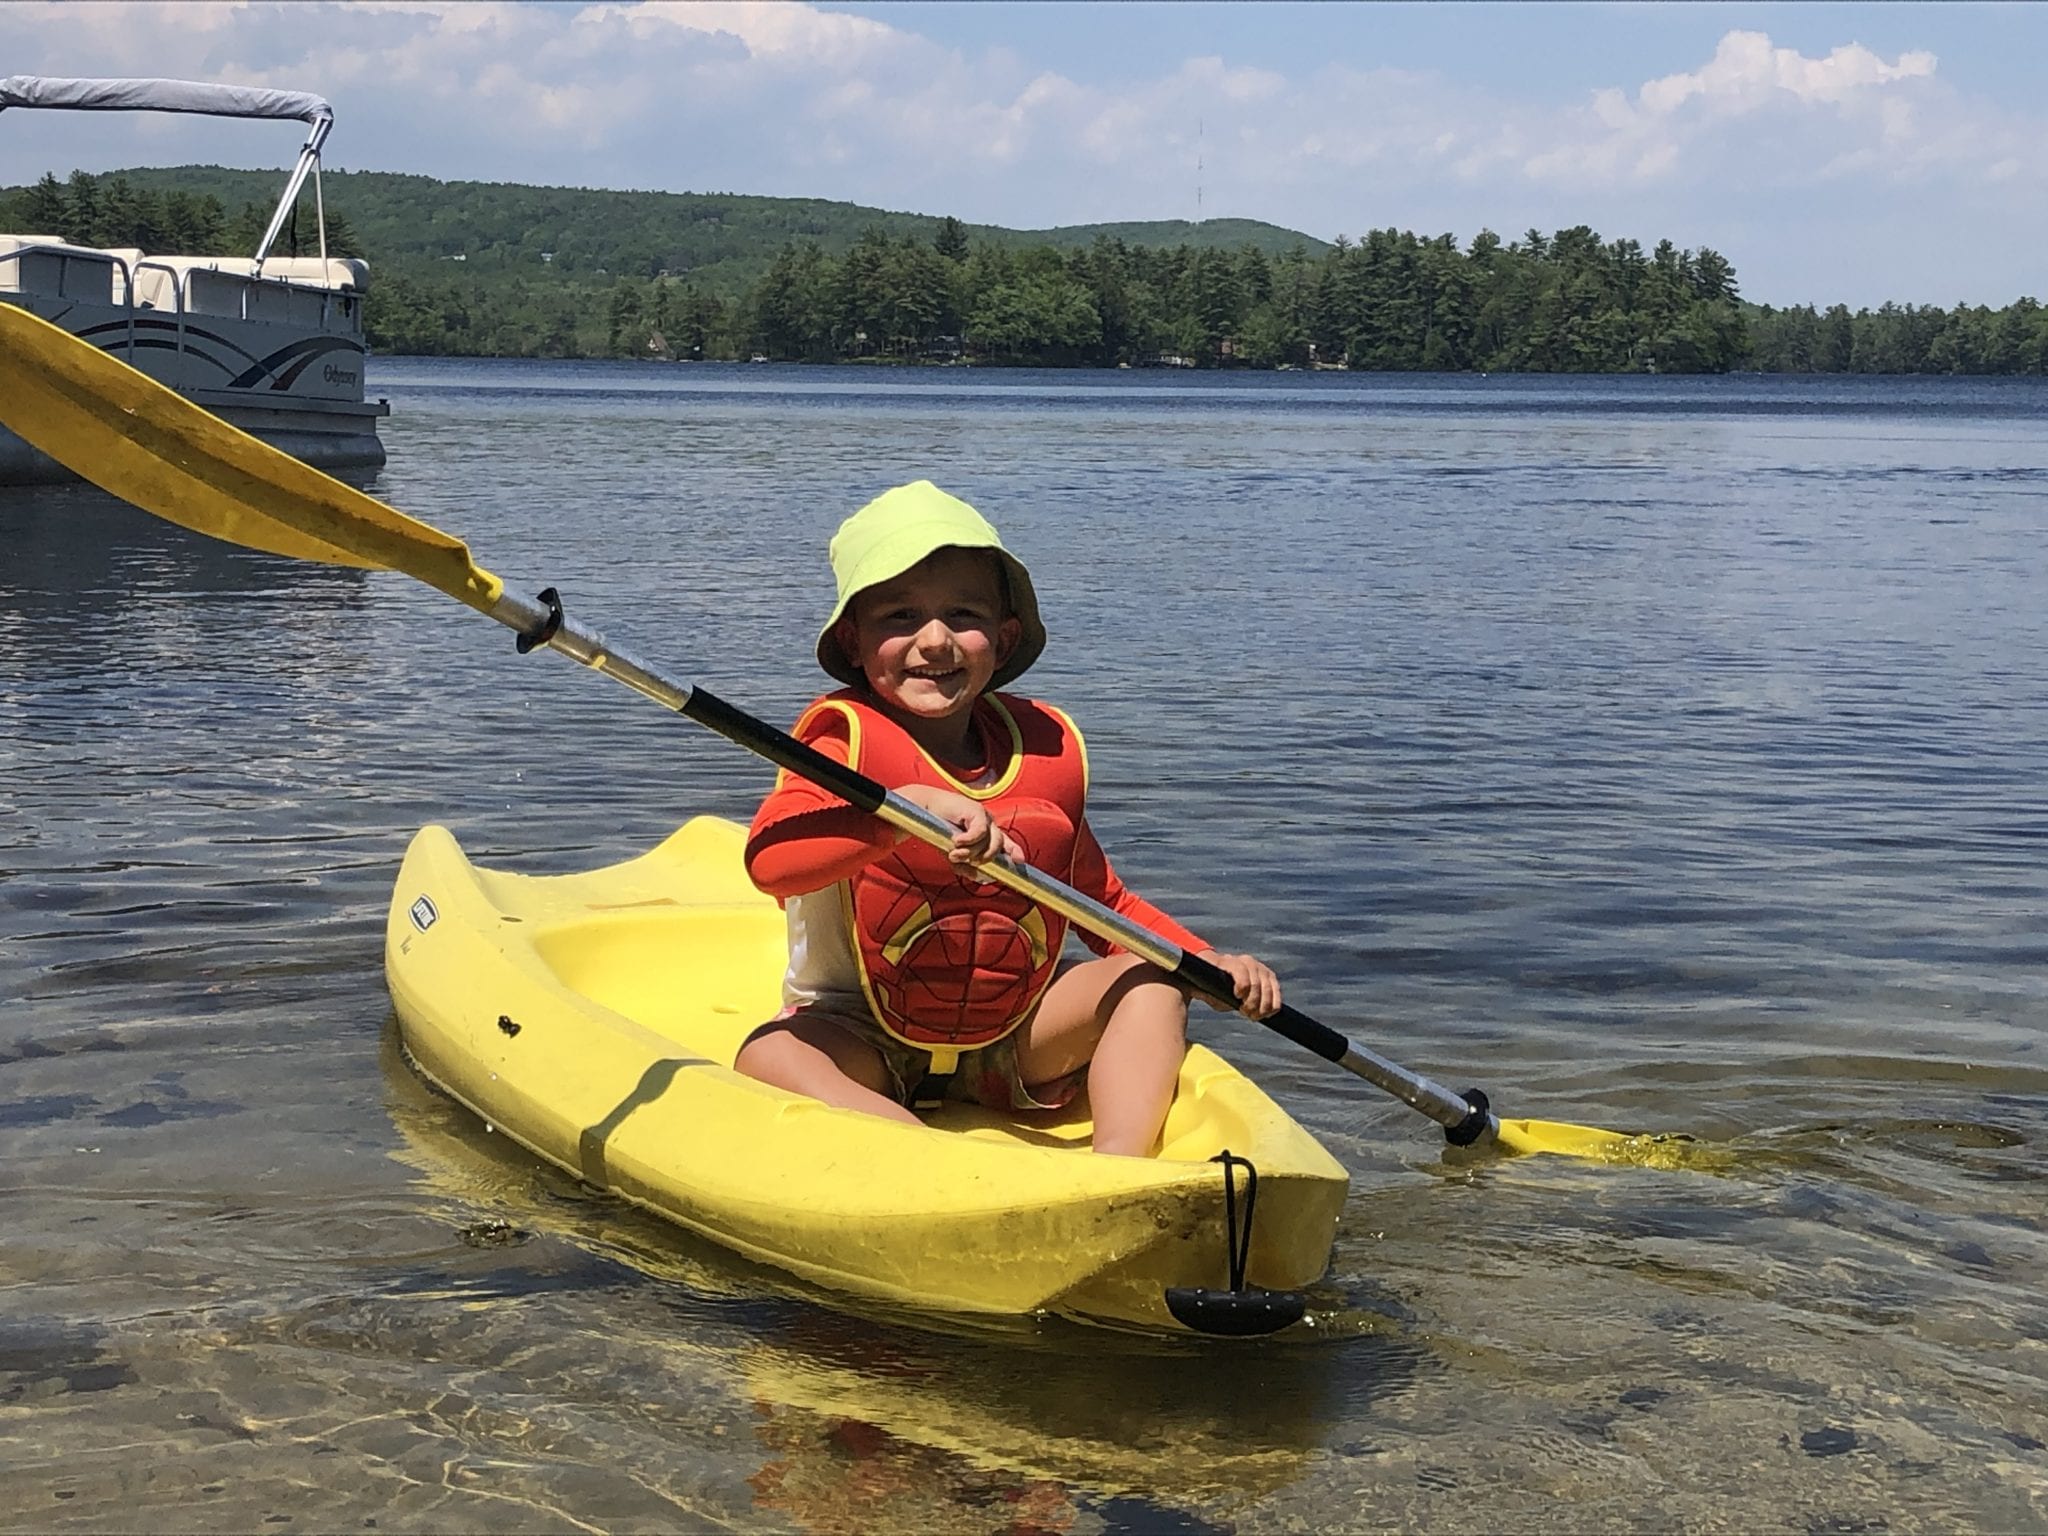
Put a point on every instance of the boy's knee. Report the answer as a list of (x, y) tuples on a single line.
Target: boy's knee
[(799, 1055), (1161, 992), (1178, 1011), (1177, 994), (1133, 973), (757, 1053), (775, 1050), (1149, 975)]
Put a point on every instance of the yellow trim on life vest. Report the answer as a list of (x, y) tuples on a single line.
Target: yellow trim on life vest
[(897, 945), (860, 965), (1033, 924), (1010, 772), (1074, 731), (852, 718), (986, 792)]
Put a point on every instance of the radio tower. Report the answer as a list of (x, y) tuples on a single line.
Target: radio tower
[(1198, 173)]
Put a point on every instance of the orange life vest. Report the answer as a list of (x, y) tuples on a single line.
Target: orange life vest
[(949, 965)]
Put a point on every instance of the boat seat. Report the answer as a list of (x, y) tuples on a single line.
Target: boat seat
[(154, 287), (343, 274), (130, 254), (57, 270)]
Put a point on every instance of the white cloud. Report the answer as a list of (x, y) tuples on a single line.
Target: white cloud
[(619, 79), (1746, 72), (792, 99), (785, 32), (1776, 112)]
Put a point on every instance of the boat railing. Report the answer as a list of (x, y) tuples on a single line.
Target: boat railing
[(29, 260), (212, 282), (136, 301), (65, 258), (245, 295)]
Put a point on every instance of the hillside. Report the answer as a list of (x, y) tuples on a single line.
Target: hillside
[(722, 242), (498, 269)]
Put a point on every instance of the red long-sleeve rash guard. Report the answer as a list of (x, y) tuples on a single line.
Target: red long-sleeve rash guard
[(805, 838)]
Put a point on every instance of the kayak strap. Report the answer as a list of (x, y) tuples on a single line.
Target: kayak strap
[(1240, 1251), (941, 1065), (1243, 1310)]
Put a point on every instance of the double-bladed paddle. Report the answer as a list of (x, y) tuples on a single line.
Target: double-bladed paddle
[(150, 446)]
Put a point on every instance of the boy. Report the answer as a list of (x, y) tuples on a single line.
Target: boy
[(908, 978)]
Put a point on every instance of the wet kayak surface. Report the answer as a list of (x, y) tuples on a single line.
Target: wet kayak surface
[(1656, 754)]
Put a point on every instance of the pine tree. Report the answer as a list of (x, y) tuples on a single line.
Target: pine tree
[(950, 239), (44, 210), (82, 209), (624, 332)]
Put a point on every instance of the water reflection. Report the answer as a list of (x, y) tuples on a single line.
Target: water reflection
[(852, 1403), (77, 557)]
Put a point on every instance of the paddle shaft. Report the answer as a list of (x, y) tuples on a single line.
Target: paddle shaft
[(542, 623), (150, 446)]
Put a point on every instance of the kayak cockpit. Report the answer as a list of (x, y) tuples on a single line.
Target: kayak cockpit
[(593, 1018)]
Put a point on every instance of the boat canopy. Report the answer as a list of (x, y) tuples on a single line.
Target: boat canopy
[(163, 96), (195, 96)]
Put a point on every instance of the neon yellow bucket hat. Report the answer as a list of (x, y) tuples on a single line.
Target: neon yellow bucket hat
[(894, 532)]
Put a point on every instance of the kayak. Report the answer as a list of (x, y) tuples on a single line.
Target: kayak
[(593, 1018)]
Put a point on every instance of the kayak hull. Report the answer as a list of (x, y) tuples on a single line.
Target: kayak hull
[(594, 1017)]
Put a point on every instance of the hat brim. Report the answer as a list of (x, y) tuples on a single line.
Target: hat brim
[(907, 548)]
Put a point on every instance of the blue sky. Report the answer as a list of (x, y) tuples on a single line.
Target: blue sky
[(1554, 51), (1850, 153)]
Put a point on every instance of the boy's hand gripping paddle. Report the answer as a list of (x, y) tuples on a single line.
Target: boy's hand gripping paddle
[(150, 446)]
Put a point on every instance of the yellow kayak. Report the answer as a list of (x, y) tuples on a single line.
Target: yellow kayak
[(594, 1018)]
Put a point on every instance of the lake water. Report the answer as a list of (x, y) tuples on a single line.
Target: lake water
[(1656, 754)]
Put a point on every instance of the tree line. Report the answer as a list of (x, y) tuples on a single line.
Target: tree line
[(942, 292), (1393, 301), (1902, 338), (115, 211), (1390, 301)]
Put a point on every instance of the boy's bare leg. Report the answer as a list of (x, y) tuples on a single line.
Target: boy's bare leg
[(1127, 1023), (821, 1061)]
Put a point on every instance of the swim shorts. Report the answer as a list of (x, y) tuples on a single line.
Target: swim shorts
[(986, 1076)]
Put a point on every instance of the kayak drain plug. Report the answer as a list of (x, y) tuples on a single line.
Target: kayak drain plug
[(1242, 1311)]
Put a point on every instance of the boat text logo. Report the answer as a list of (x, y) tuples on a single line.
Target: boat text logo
[(423, 914), (334, 375)]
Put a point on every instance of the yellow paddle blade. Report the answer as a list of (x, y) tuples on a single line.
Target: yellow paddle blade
[(1589, 1141), (151, 446)]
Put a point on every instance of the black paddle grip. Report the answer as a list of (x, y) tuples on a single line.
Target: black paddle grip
[(784, 750), (1474, 1125), (1214, 981)]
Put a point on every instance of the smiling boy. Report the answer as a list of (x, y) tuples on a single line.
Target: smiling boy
[(909, 979)]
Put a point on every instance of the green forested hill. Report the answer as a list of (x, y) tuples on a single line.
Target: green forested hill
[(1209, 235), (498, 269), (721, 242)]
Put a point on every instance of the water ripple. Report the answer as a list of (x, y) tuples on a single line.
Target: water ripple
[(1663, 755)]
